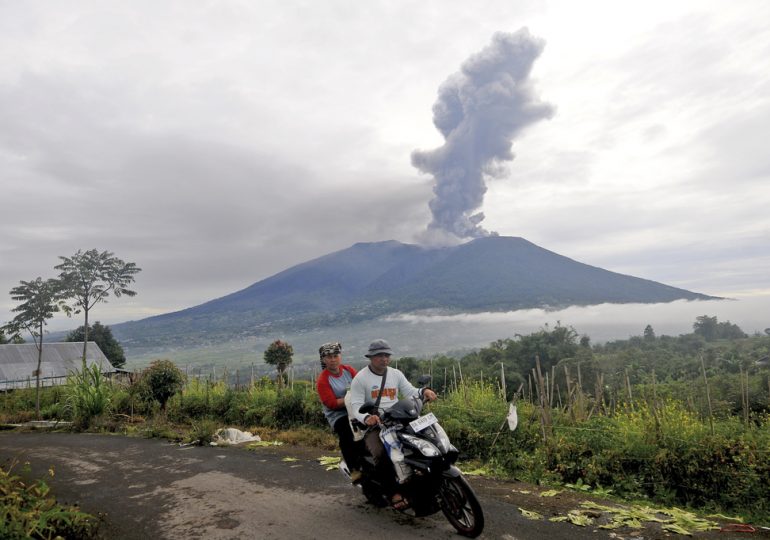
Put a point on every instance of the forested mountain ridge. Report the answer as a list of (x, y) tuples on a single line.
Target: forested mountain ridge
[(369, 280)]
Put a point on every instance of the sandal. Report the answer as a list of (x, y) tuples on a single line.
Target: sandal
[(399, 502)]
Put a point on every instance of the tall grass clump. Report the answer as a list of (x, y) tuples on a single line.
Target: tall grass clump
[(88, 395), (261, 404), (198, 398), (471, 417)]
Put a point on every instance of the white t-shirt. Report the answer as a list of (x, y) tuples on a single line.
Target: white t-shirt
[(366, 387)]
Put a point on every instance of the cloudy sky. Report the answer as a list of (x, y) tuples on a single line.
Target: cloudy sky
[(217, 143)]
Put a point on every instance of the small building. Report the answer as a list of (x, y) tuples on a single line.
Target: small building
[(18, 363)]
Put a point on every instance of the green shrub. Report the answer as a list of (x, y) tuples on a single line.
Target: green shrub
[(162, 379), (29, 511)]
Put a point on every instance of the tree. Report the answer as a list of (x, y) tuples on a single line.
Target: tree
[(649, 333), (728, 330), (40, 300), (102, 336), (711, 329), (13, 338), (706, 327), (162, 379), (410, 367), (89, 278), (279, 354)]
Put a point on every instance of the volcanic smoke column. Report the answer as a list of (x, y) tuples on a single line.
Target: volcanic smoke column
[(479, 111)]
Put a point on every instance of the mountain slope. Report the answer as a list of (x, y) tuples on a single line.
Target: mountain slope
[(369, 280)]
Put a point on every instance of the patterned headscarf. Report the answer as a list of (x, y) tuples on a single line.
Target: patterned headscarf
[(329, 349)]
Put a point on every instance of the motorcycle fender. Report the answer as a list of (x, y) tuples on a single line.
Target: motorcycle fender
[(452, 472)]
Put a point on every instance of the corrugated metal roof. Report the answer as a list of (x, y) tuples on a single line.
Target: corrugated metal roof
[(18, 362)]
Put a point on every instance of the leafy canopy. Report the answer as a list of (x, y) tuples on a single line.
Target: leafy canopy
[(279, 354), (90, 277), (102, 336), (40, 300)]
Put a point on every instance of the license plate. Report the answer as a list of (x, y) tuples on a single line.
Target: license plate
[(423, 422)]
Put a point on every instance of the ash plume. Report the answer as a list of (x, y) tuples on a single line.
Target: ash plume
[(479, 111)]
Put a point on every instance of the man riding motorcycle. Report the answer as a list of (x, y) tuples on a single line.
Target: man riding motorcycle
[(378, 386)]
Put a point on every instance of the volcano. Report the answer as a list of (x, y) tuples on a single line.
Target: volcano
[(371, 280)]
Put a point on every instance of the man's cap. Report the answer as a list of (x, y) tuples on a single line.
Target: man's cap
[(330, 349), (378, 346)]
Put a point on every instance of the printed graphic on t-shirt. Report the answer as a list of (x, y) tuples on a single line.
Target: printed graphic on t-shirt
[(387, 393)]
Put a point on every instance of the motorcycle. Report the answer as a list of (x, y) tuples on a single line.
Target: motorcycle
[(434, 482)]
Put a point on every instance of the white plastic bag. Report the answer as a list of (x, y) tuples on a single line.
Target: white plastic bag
[(513, 417), (393, 447)]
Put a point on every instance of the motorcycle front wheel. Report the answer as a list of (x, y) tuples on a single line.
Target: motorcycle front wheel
[(461, 507), (373, 494)]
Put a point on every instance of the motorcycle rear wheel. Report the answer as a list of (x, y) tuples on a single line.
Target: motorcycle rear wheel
[(461, 507)]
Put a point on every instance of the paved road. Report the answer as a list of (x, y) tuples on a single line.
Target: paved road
[(153, 489)]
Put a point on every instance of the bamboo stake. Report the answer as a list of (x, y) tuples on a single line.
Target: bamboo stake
[(569, 393), (580, 378), (628, 387), (545, 413), (445, 388), (462, 381), (529, 387), (745, 394), (550, 391), (502, 381), (598, 395), (708, 394)]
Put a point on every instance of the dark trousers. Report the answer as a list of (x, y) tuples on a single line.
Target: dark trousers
[(347, 444), (384, 466)]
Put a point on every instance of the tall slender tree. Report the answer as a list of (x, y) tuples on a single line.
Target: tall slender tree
[(89, 277), (40, 299)]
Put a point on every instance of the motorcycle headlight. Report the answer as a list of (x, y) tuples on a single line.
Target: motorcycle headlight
[(425, 448)]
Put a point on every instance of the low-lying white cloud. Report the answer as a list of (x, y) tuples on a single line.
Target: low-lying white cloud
[(608, 321)]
